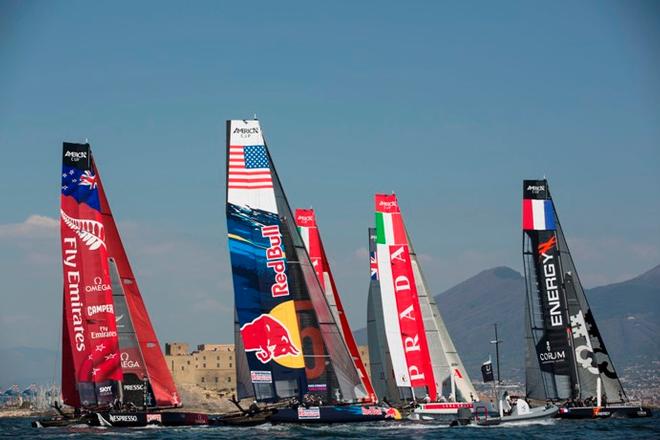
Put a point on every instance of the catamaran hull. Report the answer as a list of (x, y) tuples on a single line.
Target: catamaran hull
[(443, 412), (334, 414), (60, 422), (599, 412), (144, 418), (534, 414)]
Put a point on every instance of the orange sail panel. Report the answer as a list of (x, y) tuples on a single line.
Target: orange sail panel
[(306, 222)]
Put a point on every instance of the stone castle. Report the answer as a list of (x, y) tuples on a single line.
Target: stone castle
[(212, 366)]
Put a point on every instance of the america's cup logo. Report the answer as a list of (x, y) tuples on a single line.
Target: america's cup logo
[(90, 231)]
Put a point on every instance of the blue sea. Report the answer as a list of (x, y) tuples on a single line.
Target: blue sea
[(19, 428)]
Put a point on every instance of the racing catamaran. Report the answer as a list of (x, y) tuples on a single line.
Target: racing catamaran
[(407, 335), (566, 360), (113, 369), (292, 355)]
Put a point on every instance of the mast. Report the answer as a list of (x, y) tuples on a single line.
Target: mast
[(497, 342)]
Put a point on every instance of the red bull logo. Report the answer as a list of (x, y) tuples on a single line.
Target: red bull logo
[(268, 337)]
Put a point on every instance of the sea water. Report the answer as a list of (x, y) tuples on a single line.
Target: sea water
[(649, 428)]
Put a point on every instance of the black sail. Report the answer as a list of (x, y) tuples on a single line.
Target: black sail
[(592, 361), (550, 369), (588, 361)]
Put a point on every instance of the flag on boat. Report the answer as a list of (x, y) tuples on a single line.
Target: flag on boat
[(487, 371), (538, 215), (249, 167)]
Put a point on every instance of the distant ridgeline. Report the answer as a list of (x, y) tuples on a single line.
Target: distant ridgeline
[(628, 315)]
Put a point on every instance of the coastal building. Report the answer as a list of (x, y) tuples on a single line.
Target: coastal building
[(212, 366)]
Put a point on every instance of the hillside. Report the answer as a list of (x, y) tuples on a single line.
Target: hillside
[(627, 313)]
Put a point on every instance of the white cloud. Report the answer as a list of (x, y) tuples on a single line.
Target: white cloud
[(33, 226)]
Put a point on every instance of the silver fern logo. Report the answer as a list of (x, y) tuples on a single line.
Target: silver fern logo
[(90, 231)]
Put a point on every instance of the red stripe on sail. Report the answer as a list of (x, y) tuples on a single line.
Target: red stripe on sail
[(250, 187), (527, 215), (411, 322), (399, 229)]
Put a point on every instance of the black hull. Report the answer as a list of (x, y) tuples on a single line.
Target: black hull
[(59, 421), (243, 419), (126, 419), (617, 411), (334, 414)]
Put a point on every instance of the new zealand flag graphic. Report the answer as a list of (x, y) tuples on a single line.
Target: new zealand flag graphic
[(81, 185)]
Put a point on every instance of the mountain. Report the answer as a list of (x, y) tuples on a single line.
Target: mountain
[(627, 314)]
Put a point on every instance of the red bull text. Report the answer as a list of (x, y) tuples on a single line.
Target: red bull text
[(276, 260)]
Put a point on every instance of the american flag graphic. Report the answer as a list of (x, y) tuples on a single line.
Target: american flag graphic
[(249, 168)]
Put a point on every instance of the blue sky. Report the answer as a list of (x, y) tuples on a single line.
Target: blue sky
[(449, 104)]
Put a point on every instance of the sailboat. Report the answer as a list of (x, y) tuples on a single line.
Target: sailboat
[(292, 355), (414, 356), (506, 409), (309, 231), (113, 369), (566, 359)]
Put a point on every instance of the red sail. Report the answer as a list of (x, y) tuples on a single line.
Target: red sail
[(90, 325), (305, 219), (93, 361), (70, 395), (157, 372)]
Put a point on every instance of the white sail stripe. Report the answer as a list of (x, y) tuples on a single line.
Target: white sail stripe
[(261, 198), (538, 214), (390, 314), (304, 234), (254, 171)]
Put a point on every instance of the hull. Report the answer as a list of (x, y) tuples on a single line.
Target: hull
[(334, 414), (447, 412), (243, 419), (60, 421), (144, 418), (538, 413), (601, 412)]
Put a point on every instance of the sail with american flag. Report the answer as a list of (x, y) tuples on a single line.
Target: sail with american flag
[(289, 341)]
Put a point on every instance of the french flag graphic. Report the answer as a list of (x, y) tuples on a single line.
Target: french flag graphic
[(538, 215)]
